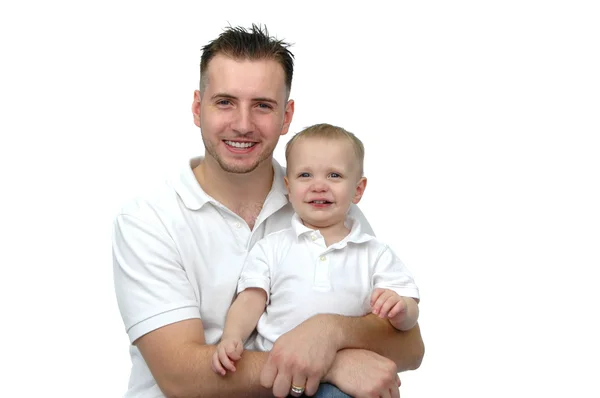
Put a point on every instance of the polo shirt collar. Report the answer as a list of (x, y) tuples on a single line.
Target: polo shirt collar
[(193, 196), (356, 234)]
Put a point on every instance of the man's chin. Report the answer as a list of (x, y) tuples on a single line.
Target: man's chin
[(238, 168)]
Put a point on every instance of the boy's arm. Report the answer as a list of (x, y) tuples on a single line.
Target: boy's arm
[(244, 313)]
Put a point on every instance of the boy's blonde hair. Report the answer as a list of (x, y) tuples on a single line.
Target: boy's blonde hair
[(328, 131)]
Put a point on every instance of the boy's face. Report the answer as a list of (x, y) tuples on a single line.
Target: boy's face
[(242, 112), (323, 180)]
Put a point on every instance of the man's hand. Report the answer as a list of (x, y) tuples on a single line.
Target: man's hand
[(361, 373), (301, 357), (228, 351)]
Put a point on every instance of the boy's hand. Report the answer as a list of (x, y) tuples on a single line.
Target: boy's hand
[(228, 351), (387, 303)]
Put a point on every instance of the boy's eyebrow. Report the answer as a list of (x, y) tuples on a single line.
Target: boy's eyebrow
[(233, 97)]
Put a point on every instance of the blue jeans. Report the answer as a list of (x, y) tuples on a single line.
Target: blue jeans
[(327, 390)]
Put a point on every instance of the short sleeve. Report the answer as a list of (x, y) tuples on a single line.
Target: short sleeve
[(256, 272), (152, 287), (391, 273)]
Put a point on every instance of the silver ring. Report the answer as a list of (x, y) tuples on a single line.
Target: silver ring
[(297, 390)]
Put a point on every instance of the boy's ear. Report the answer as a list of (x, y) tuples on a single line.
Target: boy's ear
[(360, 190), (287, 183)]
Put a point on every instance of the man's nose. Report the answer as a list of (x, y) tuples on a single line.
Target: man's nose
[(243, 123)]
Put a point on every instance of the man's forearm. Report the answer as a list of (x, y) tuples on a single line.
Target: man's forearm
[(372, 333), (193, 376)]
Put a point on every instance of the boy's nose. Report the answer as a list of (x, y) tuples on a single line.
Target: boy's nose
[(319, 187)]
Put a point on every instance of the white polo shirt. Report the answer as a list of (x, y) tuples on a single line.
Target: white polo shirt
[(177, 255), (303, 277)]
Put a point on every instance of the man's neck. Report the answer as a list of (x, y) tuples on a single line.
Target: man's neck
[(235, 191)]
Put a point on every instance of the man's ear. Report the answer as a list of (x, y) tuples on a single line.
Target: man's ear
[(287, 118), (287, 183), (360, 190), (196, 107)]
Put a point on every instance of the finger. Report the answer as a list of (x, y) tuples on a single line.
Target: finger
[(394, 392), (298, 380), (376, 304), (312, 385), (380, 300), (389, 304), (239, 350), (216, 364), (375, 295), (386, 393), (282, 384), (235, 353), (225, 361), (268, 374), (398, 380), (398, 308)]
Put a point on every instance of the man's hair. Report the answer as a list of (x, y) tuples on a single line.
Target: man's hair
[(248, 44), (328, 131)]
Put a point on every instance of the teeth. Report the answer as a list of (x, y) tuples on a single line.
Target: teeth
[(240, 144), (320, 202)]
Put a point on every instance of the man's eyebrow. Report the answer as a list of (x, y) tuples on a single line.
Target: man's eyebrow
[(223, 95), (265, 99), (233, 97)]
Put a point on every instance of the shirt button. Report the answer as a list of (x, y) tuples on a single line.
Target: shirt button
[(313, 237), (323, 258), (238, 225)]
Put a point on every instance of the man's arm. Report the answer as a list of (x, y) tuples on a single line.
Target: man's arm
[(309, 350), (180, 362), (150, 282), (333, 333), (375, 334)]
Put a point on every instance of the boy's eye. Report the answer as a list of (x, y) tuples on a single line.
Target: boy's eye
[(334, 175), (303, 175)]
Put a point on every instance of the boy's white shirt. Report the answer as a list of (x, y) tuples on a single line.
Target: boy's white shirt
[(304, 277)]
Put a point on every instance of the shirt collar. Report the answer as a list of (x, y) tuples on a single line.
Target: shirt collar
[(356, 234), (193, 196)]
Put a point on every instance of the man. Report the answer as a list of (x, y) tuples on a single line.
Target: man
[(178, 253)]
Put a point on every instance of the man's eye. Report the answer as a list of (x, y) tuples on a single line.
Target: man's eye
[(263, 105), (224, 102)]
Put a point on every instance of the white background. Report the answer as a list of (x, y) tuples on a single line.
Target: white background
[(481, 122)]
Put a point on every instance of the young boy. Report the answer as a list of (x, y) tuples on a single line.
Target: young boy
[(323, 263)]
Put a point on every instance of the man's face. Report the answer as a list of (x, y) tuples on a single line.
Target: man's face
[(242, 112), (323, 179)]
